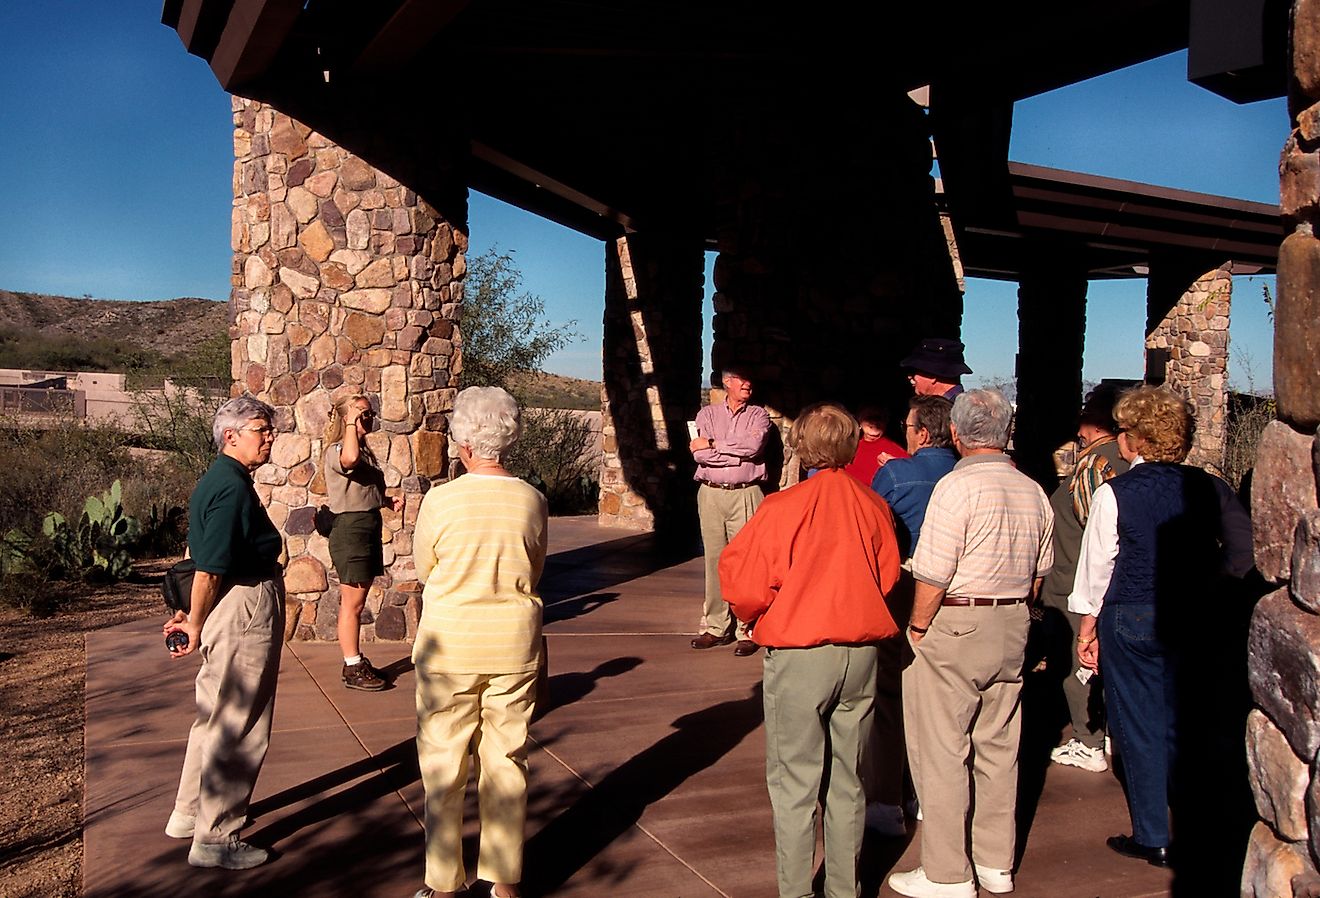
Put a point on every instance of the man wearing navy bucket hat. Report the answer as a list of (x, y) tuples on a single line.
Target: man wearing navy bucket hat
[(936, 366)]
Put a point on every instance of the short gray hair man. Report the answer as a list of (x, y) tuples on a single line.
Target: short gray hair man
[(982, 419)]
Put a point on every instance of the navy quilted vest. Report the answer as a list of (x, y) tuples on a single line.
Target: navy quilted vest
[(1168, 534)]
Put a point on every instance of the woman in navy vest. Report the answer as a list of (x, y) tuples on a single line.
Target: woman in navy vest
[(1157, 542)]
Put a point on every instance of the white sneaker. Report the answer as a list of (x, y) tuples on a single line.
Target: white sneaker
[(1074, 754), (231, 855), (914, 884), (1000, 882), (180, 826), (886, 819)]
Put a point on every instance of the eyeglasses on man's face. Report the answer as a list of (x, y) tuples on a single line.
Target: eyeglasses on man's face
[(262, 431)]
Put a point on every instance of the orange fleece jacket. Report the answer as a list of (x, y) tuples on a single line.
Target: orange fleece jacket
[(814, 564)]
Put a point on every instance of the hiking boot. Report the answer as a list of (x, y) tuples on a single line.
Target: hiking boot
[(1074, 754), (363, 676), (231, 855)]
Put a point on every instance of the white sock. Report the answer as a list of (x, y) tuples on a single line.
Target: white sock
[(356, 659)]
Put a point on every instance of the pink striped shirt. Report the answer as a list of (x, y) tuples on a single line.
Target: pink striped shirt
[(739, 453)]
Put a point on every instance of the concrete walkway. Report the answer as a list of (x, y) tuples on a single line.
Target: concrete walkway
[(647, 770)]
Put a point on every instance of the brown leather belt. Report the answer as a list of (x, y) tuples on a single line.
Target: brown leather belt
[(729, 486), (956, 601)]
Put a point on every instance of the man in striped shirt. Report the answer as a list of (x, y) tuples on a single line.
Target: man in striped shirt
[(986, 544)]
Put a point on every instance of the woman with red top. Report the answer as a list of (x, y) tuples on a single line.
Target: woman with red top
[(874, 448), (809, 572)]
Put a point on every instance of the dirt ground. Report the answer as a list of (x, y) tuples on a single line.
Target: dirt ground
[(42, 678)]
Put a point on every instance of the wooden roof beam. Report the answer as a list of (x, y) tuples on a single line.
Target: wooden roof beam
[(414, 25), (251, 40)]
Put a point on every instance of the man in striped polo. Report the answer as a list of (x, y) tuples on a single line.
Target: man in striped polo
[(986, 544)]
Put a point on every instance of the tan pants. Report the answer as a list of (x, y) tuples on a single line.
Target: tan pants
[(460, 715), (960, 700), (722, 514), (240, 648)]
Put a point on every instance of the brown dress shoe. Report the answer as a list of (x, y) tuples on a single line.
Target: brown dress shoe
[(710, 640), (745, 647)]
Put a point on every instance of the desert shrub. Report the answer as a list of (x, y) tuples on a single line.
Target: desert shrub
[(177, 421), (557, 455), (1247, 416), (50, 473), (55, 469)]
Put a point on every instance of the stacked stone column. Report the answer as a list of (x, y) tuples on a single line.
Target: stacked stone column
[(1283, 736), (1194, 334), (828, 275), (652, 382), (344, 281), (1051, 332)]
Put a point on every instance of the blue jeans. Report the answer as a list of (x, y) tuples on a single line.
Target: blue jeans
[(1139, 677)]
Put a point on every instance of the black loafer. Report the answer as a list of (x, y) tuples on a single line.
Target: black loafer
[(1129, 847), (710, 640), (745, 647)]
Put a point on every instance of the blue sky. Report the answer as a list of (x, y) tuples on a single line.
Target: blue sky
[(117, 157)]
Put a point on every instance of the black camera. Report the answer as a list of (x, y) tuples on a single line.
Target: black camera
[(177, 640)]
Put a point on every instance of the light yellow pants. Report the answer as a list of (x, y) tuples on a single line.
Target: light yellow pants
[(484, 717)]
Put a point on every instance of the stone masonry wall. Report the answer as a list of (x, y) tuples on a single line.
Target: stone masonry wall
[(1283, 738), (652, 380), (1195, 334), (344, 281)]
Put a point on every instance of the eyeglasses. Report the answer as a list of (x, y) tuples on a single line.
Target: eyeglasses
[(264, 430), (366, 416)]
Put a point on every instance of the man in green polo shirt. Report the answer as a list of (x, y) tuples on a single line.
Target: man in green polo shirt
[(237, 615)]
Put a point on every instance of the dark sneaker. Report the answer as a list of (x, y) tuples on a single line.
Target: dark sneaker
[(363, 676)]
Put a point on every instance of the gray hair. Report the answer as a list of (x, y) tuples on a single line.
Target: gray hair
[(486, 420), (237, 412), (983, 418)]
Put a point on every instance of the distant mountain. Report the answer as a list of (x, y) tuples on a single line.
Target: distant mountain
[(166, 326), (543, 390)]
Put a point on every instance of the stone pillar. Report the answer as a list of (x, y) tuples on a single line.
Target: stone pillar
[(1284, 736), (1190, 342), (828, 275), (1051, 333), (344, 281), (652, 381)]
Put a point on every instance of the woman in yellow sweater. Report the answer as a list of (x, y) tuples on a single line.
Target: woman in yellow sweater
[(479, 546)]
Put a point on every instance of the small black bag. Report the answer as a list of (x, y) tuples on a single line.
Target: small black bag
[(176, 588)]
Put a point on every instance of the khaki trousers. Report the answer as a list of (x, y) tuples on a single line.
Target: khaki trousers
[(459, 716), (818, 705), (961, 698), (722, 514), (240, 649)]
